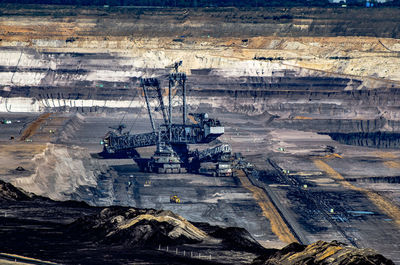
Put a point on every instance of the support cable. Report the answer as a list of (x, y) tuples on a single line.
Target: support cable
[(123, 117)]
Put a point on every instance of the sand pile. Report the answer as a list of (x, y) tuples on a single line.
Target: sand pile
[(60, 172)]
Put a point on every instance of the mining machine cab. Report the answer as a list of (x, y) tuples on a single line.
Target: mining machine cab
[(166, 160)]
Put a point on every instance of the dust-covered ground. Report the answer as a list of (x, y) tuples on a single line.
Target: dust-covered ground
[(328, 195), (284, 82)]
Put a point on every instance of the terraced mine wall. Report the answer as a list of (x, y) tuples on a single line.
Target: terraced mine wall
[(287, 98), (314, 69), (377, 139), (216, 22)]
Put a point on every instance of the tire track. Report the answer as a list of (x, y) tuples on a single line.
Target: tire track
[(278, 225), (32, 128), (382, 203)]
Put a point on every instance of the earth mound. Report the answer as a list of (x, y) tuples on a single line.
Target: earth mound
[(237, 238), (10, 193), (322, 253), (138, 227), (233, 238), (108, 235)]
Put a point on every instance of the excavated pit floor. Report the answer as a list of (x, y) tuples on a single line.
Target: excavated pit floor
[(315, 203)]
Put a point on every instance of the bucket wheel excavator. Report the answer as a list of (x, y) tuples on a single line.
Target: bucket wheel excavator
[(171, 138)]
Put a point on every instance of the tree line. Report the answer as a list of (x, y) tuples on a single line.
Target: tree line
[(198, 3)]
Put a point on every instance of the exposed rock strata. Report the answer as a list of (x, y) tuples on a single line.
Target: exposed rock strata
[(304, 67), (321, 253)]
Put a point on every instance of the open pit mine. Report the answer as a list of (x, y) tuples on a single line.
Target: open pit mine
[(139, 135)]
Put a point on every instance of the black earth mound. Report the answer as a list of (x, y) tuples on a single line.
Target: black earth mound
[(76, 233), (137, 228), (10, 193), (322, 253)]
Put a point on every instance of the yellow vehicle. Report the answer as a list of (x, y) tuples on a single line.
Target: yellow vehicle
[(174, 199)]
